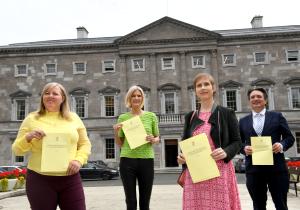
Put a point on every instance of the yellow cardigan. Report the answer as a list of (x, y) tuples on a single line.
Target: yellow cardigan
[(79, 143)]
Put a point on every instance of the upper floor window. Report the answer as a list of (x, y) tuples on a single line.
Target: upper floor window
[(292, 55), (79, 105), (260, 58), (109, 97), (295, 93), (110, 148), (51, 69), (198, 61), (228, 59), (108, 66), (168, 63), (79, 67), (21, 70), (138, 64)]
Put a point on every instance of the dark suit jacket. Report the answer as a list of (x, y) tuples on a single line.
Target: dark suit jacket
[(275, 126)]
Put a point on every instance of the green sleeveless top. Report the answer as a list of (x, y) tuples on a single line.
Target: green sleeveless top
[(150, 123)]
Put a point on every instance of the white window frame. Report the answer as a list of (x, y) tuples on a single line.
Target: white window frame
[(224, 57), (238, 98), (73, 106), (75, 70), (104, 65), (290, 97), (105, 149), (194, 66), (163, 102), (51, 73), (15, 107), (266, 61), (103, 107), (287, 56), (172, 63), (140, 68), (146, 101), (17, 74)]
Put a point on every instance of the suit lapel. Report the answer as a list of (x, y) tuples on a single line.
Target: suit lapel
[(268, 119), (250, 124)]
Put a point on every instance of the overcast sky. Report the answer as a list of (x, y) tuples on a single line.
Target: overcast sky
[(39, 20)]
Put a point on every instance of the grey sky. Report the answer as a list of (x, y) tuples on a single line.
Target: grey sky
[(37, 20)]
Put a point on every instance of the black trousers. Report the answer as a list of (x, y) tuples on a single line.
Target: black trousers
[(142, 170), (258, 184)]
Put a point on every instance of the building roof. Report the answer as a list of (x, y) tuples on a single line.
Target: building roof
[(103, 41)]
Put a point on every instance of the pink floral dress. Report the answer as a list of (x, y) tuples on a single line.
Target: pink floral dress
[(219, 193)]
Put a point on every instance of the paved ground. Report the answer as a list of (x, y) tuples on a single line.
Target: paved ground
[(164, 197)]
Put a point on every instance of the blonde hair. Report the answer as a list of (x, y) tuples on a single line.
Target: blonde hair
[(209, 77), (129, 94), (64, 107)]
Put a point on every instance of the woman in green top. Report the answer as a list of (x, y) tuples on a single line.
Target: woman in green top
[(137, 164)]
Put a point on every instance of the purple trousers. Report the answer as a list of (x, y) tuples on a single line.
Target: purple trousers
[(48, 192)]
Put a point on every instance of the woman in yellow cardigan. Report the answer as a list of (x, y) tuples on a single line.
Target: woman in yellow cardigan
[(48, 188)]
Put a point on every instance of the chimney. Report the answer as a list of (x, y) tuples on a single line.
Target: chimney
[(256, 21), (82, 32)]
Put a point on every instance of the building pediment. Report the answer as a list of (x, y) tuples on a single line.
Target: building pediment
[(20, 94), (109, 90), (168, 86), (292, 81), (262, 82), (165, 29), (230, 84), (144, 88), (79, 91)]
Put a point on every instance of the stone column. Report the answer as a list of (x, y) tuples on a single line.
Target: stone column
[(123, 82), (154, 99), (215, 72), (185, 100)]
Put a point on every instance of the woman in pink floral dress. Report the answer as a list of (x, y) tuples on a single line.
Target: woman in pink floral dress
[(221, 127)]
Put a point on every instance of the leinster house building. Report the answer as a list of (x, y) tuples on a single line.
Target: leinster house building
[(163, 58)]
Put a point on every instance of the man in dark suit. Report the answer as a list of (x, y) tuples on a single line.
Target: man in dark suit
[(260, 178)]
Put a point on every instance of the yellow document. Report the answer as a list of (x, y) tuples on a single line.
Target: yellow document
[(135, 132), (55, 155), (262, 153), (197, 152)]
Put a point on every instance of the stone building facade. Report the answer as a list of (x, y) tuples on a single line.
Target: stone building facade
[(163, 58)]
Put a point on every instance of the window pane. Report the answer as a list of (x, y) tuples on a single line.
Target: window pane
[(80, 67), (198, 60), (80, 106), (169, 103), (260, 57), (168, 62), (110, 148), (20, 109), (231, 99), (296, 97), (19, 159), (50, 68), (197, 103), (109, 106), (109, 65), (22, 69), (228, 59), (293, 55), (138, 64)]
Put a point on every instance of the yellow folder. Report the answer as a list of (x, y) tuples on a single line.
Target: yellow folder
[(55, 154), (197, 154), (262, 153), (135, 132)]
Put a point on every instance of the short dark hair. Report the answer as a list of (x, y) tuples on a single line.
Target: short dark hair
[(260, 90)]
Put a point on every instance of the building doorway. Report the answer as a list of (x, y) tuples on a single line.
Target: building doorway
[(171, 152)]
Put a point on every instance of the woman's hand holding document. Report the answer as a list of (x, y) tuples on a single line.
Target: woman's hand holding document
[(262, 150), (198, 158), (55, 153), (135, 132)]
